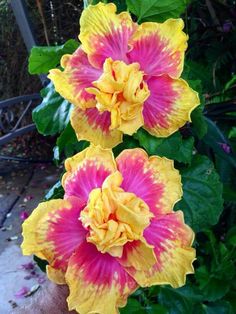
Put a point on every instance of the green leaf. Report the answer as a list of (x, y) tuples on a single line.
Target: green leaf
[(132, 307), (232, 133), (55, 192), (42, 264), (202, 201), (53, 114), (195, 71), (68, 136), (42, 59), (215, 138), (229, 194), (198, 121), (173, 147), (156, 10), (226, 172), (68, 143), (179, 301), (230, 83), (212, 287), (216, 274), (127, 143), (120, 4), (220, 307), (231, 236), (231, 297), (156, 308)]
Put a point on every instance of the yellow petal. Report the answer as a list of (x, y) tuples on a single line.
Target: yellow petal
[(171, 239), (154, 179), (56, 275), (159, 47), (104, 34), (97, 283), (52, 232), (169, 106), (93, 126)]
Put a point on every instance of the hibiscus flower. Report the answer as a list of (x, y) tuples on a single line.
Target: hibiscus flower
[(115, 229), (125, 76)]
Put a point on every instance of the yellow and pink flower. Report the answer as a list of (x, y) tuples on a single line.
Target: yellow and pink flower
[(125, 76), (115, 229)]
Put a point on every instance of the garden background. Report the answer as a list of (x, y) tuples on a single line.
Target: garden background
[(204, 151)]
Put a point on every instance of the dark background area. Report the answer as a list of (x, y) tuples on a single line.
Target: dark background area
[(53, 22)]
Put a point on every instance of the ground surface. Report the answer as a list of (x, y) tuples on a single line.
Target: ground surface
[(22, 187)]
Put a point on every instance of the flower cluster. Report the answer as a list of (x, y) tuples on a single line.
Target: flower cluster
[(125, 76), (115, 229)]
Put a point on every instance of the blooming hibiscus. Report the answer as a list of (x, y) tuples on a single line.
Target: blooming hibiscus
[(125, 76), (115, 229)]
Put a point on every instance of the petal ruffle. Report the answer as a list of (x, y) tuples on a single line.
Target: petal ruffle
[(97, 282), (139, 255), (159, 47), (104, 34), (153, 179), (53, 232), (78, 74), (92, 125), (172, 240), (169, 105), (86, 171), (121, 91)]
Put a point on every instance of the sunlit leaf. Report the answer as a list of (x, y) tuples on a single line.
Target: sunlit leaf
[(156, 10), (42, 59)]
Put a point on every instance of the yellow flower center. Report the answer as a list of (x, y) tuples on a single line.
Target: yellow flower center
[(122, 91), (114, 217)]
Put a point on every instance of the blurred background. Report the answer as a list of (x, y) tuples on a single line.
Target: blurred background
[(52, 23)]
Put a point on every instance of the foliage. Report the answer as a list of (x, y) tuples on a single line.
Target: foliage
[(42, 59), (173, 147), (52, 115), (203, 151), (55, 192), (155, 10), (202, 201), (68, 144)]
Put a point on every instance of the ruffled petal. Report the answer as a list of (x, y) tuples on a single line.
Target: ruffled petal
[(121, 91), (172, 241), (138, 255), (78, 74), (169, 105), (52, 232), (56, 275), (153, 179), (86, 171), (159, 47), (104, 34), (94, 126), (97, 282)]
